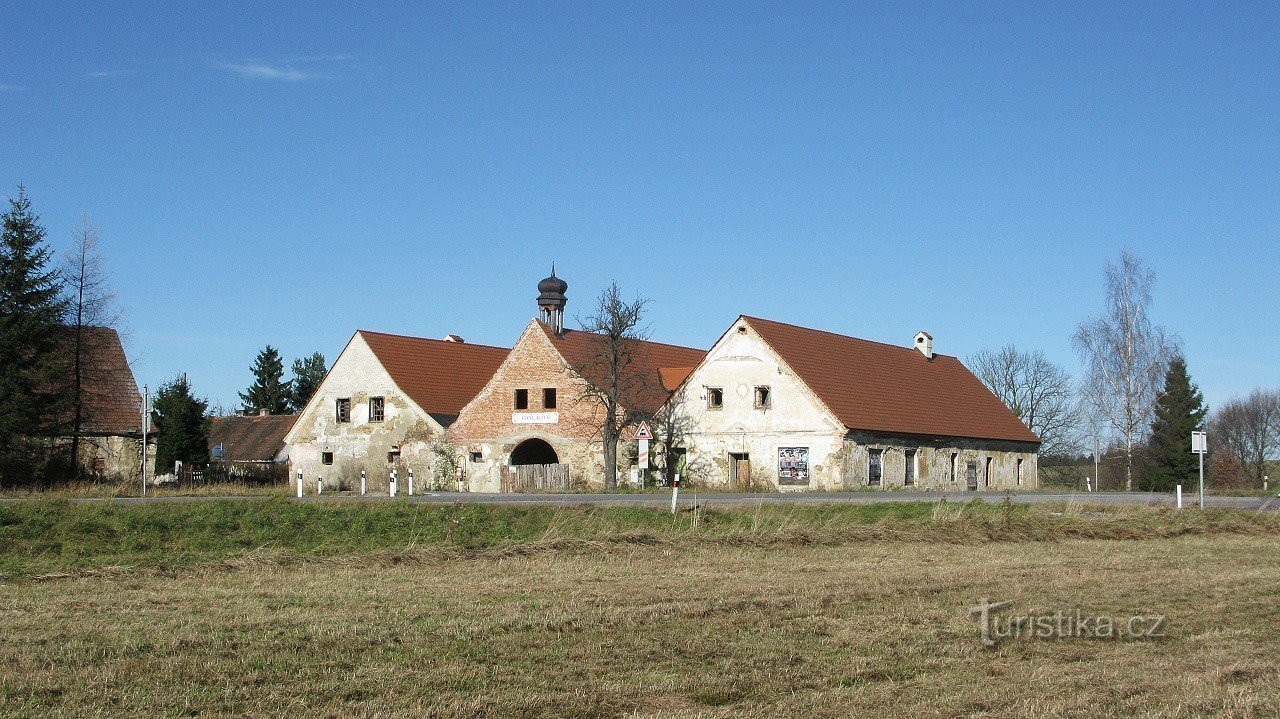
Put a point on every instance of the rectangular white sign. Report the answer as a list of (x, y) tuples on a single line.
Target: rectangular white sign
[(535, 417), (1199, 443), (642, 454)]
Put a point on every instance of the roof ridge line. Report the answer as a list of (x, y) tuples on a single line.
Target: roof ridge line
[(430, 339), (837, 334), (598, 334)]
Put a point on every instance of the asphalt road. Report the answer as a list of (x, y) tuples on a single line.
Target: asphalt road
[(730, 499)]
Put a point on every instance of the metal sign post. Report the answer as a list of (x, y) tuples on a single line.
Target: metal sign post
[(1200, 445), (642, 436), (146, 425)]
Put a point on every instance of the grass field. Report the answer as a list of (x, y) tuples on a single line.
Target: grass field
[(270, 608)]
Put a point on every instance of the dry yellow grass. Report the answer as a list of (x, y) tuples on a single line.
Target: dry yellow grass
[(874, 628)]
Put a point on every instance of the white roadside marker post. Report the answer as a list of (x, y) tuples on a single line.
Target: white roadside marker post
[(391, 486), (410, 493), (675, 492), (320, 484), (299, 483), (362, 483), (1200, 445), (1179, 496)]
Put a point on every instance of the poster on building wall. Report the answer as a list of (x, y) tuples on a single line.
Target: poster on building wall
[(793, 465)]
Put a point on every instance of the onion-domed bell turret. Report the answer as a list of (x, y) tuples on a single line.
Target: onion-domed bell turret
[(551, 301)]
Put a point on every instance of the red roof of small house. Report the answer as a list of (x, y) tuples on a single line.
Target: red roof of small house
[(440, 376), (110, 400), (254, 438), (658, 364), (886, 388)]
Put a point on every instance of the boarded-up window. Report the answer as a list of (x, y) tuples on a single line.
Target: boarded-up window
[(875, 467), (377, 409), (909, 479), (343, 410)]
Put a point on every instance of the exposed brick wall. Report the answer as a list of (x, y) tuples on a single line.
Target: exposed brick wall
[(534, 364)]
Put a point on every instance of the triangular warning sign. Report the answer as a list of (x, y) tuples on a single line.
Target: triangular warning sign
[(642, 432)]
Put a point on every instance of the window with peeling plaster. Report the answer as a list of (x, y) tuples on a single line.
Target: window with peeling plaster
[(715, 398), (764, 397), (377, 409), (343, 410)]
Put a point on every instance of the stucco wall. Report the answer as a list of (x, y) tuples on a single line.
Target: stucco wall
[(738, 364), (361, 444), (934, 462)]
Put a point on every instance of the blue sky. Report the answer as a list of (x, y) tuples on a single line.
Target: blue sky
[(263, 173)]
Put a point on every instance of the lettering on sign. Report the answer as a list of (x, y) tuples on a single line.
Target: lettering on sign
[(535, 417)]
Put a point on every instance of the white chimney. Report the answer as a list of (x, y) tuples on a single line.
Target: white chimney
[(453, 338), (924, 343)]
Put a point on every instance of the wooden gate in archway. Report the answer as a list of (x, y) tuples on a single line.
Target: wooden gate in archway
[(535, 478)]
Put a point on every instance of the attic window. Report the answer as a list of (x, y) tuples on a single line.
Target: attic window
[(764, 397), (715, 398), (548, 397), (377, 409), (742, 329), (343, 410), (522, 399)]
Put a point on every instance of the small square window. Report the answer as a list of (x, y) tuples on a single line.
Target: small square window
[(549, 398), (326, 458), (715, 398), (475, 457), (343, 410), (522, 399), (393, 456), (377, 409), (764, 397)]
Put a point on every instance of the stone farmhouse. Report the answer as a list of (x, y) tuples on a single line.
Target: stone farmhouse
[(769, 406), (111, 406), (385, 404), (774, 405)]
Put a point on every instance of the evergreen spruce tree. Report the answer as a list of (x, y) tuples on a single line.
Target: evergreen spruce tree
[(1179, 411), (34, 397), (269, 391), (183, 427), (308, 373)]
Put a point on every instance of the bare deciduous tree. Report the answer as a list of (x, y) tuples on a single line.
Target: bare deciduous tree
[(614, 369), (1249, 430), (1124, 356), (1040, 392), (92, 304)]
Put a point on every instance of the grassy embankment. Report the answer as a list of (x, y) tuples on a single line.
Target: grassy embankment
[(272, 608)]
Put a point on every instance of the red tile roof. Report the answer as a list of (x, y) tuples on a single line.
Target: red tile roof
[(111, 403), (250, 439), (655, 359), (440, 376), (886, 388)]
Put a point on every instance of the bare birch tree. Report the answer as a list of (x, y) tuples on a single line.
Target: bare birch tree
[(1124, 355), (1040, 392), (1249, 430), (92, 304), (613, 369)]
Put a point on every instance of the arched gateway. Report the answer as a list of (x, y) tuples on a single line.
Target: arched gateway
[(534, 451), (534, 466)]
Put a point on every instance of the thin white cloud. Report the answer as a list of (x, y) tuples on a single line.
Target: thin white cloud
[(262, 71), (8, 88)]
